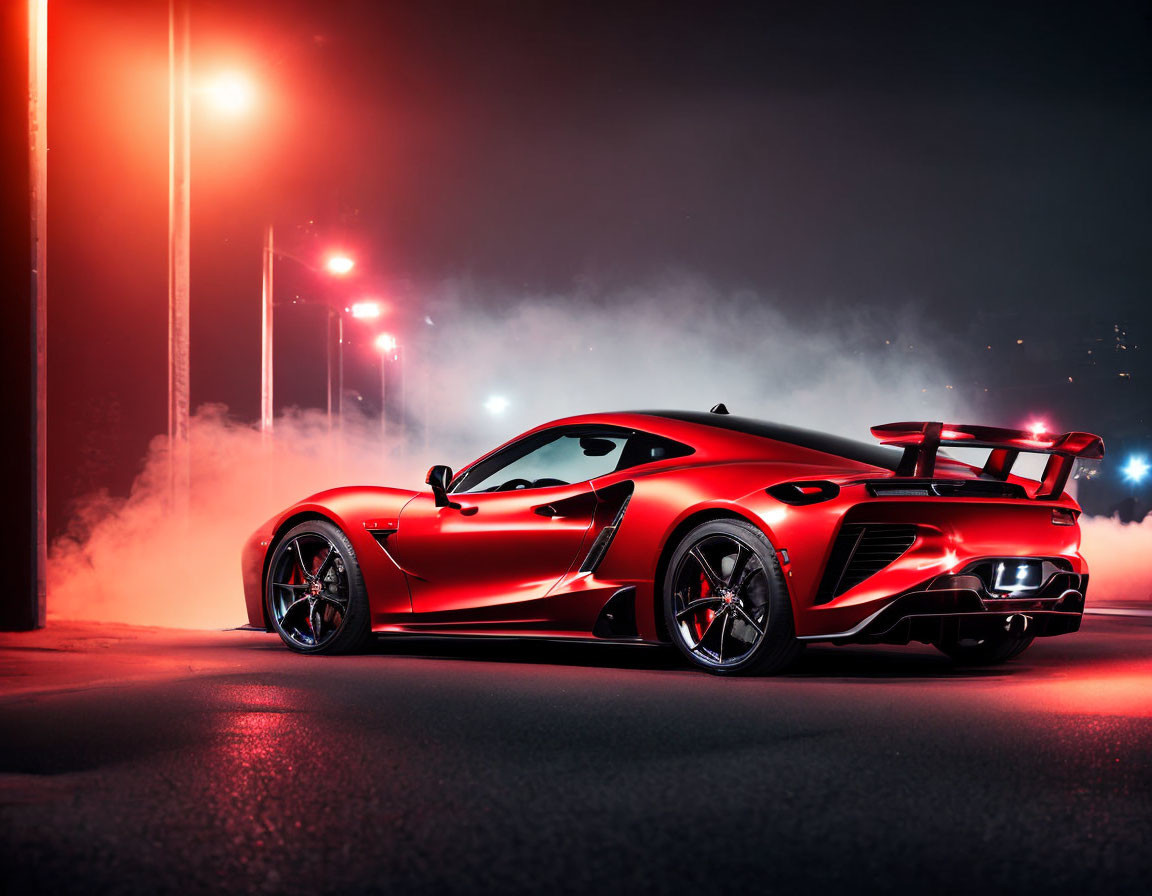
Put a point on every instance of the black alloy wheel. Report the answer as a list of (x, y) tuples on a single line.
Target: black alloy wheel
[(314, 593), (725, 602)]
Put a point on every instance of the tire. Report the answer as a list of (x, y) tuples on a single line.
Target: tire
[(317, 605), (725, 573), (988, 652)]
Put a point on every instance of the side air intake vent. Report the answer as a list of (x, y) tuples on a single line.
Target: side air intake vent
[(860, 551), (612, 500)]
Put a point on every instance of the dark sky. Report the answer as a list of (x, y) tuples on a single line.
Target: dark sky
[(983, 168)]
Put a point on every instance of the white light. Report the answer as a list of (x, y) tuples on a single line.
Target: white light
[(231, 93), (1136, 468), (496, 404), (1036, 427), (339, 264), (386, 342), (366, 309)]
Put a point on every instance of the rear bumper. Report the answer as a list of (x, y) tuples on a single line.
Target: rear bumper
[(952, 607)]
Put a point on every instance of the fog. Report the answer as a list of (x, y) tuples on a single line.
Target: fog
[(676, 343)]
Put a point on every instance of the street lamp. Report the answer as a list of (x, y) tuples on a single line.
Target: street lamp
[(231, 92), (496, 405), (389, 350), (364, 310), (336, 263), (1136, 469), (339, 264)]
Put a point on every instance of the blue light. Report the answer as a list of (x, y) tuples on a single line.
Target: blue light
[(1136, 468)]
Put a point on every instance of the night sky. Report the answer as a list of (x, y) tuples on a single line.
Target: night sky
[(982, 169)]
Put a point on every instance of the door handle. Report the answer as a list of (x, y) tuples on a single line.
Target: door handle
[(546, 510)]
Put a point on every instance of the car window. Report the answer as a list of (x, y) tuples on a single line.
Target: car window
[(565, 456)]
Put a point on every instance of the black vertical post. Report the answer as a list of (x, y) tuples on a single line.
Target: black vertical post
[(22, 311)]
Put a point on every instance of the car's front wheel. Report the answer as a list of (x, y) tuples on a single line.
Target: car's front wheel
[(725, 602), (315, 594)]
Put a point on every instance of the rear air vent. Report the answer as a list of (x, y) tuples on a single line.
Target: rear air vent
[(861, 551), (799, 494), (946, 488)]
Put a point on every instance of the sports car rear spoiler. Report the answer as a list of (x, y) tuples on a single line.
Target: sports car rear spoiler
[(921, 440)]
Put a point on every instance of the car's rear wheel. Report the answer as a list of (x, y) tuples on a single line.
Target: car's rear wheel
[(725, 602), (315, 594), (986, 651)]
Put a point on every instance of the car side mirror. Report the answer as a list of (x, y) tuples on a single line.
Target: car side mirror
[(439, 477)]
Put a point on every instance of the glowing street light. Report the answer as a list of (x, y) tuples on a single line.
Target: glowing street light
[(389, 347), (231, 93), (339, 264), (365, 310), (1136, 469), (496, 405)]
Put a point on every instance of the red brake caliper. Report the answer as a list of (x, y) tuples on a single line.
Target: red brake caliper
[(705, 590)]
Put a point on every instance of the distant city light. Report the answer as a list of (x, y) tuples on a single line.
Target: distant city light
[(1136, 469), (496, 404), (231, 93), (364, 310), (386, 342), (339, 264)]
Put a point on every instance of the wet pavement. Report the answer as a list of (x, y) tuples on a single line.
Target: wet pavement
[(151, 760)]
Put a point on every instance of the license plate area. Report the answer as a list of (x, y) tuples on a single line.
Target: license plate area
[(1011, 578), (1007, 578)]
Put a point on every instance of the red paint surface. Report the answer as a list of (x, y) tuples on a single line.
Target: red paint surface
[(494, 566)]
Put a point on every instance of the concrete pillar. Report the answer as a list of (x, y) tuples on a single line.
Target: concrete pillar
[(23, 157)]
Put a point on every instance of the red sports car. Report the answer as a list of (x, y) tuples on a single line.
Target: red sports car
[(735, 539)]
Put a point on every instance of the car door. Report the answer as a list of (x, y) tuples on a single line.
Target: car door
[(519, 525)]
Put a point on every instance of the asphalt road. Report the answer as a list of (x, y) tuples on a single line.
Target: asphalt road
[(167, 762)]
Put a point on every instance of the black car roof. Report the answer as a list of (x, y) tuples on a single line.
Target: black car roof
[(839, 446)]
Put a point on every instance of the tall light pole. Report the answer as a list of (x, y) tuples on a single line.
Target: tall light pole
[(389, 351), (23, 111), (268, 258), (178, 257), (338, 264), (231, 93)]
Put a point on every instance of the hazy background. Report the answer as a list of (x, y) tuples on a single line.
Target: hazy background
[(827, 213), (677, 343)]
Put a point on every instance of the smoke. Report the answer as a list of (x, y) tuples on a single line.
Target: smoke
[(131, 560), (1117, 555), (678, 343)]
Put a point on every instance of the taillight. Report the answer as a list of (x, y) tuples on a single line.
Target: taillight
[(1062, 517)]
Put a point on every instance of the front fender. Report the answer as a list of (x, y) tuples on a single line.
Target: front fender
[(358, 512)]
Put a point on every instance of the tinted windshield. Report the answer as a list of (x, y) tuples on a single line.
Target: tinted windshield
[(861, 452), (565, 455)]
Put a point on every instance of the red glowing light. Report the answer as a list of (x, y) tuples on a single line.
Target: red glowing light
[(386, 342), (339, 264), (231, 93), (366, 310)]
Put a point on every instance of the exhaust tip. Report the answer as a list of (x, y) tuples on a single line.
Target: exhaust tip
[(1017, 624)]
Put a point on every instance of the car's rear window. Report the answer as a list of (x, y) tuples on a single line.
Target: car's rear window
[(861, 452)]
